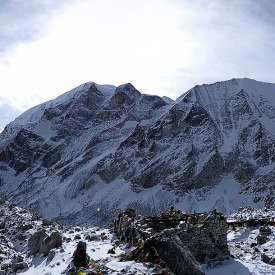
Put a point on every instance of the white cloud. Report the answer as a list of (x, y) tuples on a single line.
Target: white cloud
[(162, 47), (22, 21)]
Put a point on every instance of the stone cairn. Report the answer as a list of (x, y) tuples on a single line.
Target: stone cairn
[(175, 240)]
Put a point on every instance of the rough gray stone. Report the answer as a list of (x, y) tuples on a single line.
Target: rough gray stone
[(2, 225), (35, 241), (262, 239), (50, 242), (19, 266), (51, 255), (267, 259), (92, 237), (265, 230), (177, 256), (41, 243)]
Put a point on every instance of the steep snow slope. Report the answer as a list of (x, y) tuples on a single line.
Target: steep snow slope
[(106, 147)]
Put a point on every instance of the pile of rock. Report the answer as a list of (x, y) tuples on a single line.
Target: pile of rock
[(23, 234), (176, 240), (16, 225), (262, 238), (264, 232)]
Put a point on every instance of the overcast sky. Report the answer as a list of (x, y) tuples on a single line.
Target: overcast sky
[(161, 46)]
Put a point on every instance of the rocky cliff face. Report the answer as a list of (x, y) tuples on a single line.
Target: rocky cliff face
[(107, 147)]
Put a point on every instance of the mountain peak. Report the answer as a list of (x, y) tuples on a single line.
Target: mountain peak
[(124, 95), (218, 91), (217, 136), (128, 88)]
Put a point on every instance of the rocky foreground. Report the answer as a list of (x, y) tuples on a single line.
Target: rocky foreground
[(30, 245)]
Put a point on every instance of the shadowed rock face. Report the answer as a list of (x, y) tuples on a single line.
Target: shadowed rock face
[(177, 255), (181, 241), (95, 135), (23, 151)]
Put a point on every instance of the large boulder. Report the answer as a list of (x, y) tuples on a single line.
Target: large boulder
[(19, 266), (2, 225), (50, 242), (174, 253), (92, 237), (265, 230), (262, 239), (35, 241), (268, 259), (42, 243)]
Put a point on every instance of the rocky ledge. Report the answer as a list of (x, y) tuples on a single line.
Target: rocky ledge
[(178, 242)]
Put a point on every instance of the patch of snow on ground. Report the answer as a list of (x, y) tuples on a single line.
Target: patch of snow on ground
[(97, 250)]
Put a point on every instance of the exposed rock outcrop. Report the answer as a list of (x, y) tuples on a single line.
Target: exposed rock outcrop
[(174, 253), (179, 240), (36, 240), (42, 243), (267, 259)]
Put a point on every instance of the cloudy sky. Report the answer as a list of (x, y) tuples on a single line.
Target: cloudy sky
[(162, 46)]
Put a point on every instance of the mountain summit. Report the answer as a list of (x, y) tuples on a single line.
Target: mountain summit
[(101, 147)]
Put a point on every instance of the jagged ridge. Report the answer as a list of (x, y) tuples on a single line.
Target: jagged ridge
[(111, 147)]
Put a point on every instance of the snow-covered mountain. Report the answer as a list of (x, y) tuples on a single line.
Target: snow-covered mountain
[(7, 113), (100, 147)]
